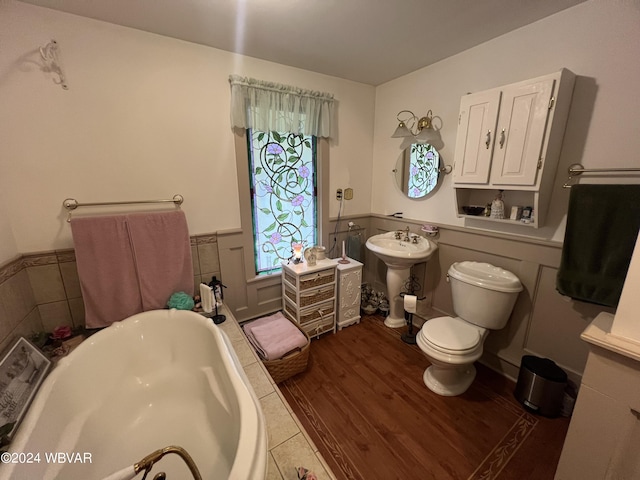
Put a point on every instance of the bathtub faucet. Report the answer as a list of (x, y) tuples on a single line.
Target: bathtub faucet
[(147, 462)]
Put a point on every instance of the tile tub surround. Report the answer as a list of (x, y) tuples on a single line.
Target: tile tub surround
[(19, 314), (206, 260), (288, 442), (41, 291)]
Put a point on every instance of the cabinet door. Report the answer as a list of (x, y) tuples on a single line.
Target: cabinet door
[(522, 124), (475, 139)]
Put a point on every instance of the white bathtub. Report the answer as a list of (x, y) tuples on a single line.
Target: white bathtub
[(159, 378)]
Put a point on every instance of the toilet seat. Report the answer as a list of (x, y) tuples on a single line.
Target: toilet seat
[(451, 335)]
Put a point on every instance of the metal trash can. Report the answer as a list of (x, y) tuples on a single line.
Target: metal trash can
[(541, 385)]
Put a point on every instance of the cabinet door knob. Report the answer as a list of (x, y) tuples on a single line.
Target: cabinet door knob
[(502, 138), (488, 140)]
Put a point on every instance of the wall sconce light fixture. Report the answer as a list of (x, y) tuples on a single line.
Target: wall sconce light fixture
[(411, 126)]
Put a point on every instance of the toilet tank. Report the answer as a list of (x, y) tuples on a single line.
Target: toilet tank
[(483, 294)]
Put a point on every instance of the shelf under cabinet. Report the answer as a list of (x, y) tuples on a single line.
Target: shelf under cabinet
[(498, 220), (483, 196)]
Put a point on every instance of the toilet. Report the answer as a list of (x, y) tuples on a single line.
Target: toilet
[(483, 298)]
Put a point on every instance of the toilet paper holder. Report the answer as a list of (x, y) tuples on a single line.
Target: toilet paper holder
[(402, 294), (409, 336)]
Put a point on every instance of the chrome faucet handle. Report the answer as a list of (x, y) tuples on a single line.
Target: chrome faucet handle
[(415, 239), (398, 234)]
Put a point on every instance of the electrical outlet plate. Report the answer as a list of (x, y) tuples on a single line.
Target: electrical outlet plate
[(348, 193), (339, 194)]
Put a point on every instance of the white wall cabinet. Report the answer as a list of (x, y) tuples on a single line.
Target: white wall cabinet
[(476, 135), (509, 138)]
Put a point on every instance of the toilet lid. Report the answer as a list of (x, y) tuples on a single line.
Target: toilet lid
[(451, 333), (485, 275)]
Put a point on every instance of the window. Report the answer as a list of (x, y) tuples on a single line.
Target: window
[(283, 179)]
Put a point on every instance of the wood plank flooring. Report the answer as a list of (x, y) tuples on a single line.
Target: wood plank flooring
[(363, 402)]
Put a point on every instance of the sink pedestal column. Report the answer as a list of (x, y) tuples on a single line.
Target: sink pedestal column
[(396, 277)]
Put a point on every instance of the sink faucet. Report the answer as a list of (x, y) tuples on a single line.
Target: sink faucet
[(406, 234)]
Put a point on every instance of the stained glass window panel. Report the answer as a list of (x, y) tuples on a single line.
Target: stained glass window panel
[(283, 195)]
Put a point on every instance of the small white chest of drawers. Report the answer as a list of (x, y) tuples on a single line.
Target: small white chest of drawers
[(349, 283), (309, 295)]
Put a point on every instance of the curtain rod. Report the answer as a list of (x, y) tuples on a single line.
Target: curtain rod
[(576, 169)]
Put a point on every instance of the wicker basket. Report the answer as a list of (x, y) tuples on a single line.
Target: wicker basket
[(291, 364), (316, 279), (309, 298), (311, 280)]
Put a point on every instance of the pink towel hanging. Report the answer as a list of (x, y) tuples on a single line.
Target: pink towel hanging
[(162, 253), (131, 263)]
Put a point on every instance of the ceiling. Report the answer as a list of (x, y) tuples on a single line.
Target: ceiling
[(368, 41)]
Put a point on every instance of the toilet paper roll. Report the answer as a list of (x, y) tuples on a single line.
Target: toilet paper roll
[(410, 302)]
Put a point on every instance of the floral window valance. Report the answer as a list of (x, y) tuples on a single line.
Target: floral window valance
[(268, 106)]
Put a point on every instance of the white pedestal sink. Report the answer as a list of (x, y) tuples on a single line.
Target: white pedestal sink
[(399, 256)]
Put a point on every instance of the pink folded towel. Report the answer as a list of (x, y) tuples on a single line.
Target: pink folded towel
[(274, 336), (262, 321)]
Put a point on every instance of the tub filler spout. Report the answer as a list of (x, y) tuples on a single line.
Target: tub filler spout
[(147, 462)]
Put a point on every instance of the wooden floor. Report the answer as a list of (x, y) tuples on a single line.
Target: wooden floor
[(364, 404)]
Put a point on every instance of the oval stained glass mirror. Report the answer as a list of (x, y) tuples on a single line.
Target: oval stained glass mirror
[(417, 170)]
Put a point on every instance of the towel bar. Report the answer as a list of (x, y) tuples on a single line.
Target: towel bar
[(71, 203), (576, 169)]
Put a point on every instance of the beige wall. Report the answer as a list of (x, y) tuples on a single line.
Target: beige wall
[(145, 117), (8, 247), (597, 40)]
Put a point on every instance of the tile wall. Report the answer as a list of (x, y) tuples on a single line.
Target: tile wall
[(41, 291), (19, 314)]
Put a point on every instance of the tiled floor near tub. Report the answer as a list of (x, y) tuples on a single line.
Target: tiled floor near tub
[(288, 443)]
